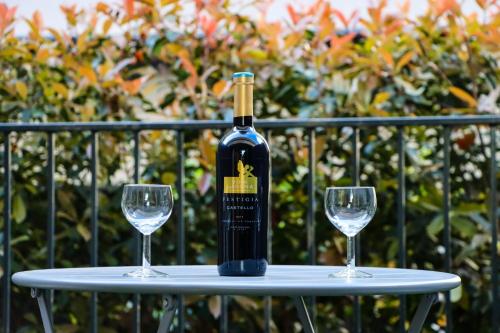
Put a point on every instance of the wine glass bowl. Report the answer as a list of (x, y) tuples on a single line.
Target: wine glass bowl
[(147, 207), (350, 209)]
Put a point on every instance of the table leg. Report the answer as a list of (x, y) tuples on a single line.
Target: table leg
[(47, 323), (424, 306), (304, 317), (169, 306)]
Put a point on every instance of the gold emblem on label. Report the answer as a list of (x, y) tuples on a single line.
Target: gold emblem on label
[(245, 183)]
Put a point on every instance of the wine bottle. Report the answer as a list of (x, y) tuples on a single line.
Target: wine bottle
[(243, 167)]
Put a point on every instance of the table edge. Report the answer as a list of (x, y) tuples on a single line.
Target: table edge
[(452, 282)]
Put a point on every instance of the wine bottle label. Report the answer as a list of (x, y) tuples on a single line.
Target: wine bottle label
[(245, 183), (241, 204)]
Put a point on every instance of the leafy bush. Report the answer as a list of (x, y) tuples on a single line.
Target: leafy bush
[(151, 60)]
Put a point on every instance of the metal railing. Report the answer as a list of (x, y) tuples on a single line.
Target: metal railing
[(311, 126)]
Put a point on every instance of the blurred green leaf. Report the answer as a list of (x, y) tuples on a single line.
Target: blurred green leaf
[(456, 294), (18, 208), (435, 226), (84, 232), (464, 226)]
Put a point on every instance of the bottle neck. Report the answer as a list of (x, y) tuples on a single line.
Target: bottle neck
[(246, 121), (243, 104)]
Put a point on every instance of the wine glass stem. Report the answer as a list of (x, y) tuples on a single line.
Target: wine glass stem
[(351, 257), (146, 252)]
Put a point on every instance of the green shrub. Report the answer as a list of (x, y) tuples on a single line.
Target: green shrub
[(149, 61)]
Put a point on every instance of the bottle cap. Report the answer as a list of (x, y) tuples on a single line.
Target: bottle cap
[(243, 77)]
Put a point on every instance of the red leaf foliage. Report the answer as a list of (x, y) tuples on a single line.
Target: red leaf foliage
[(6, 16)]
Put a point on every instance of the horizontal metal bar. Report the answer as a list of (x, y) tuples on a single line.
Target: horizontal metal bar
[(268, 123)]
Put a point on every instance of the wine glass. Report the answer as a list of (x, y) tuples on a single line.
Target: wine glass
[(350, 209), (147, 208)]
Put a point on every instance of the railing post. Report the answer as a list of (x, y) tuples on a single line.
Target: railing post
[(181, 232), (268, 305), (311, 209), (494, 232), (355, 182), (401, 206), (51, 214), (136, 298), (94, 242), (7, 251), (311, 190), (223, 319), (446, 229)]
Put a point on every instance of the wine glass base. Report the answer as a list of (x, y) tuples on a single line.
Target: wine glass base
[(146, 273), (350, 274)]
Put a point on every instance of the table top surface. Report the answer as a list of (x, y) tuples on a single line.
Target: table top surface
[(280, 280)]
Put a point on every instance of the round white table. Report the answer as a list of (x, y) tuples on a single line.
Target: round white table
[(280, 280)]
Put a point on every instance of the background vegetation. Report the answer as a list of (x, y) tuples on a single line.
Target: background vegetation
[(170, 59)]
